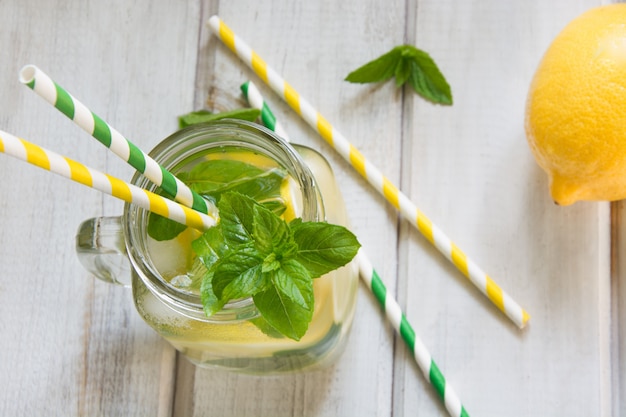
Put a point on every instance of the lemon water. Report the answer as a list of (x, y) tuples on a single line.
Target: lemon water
[(237, 338)]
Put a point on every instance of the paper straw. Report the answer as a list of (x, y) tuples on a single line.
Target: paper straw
[(53, 162), (373, 282), (255, 99), (372, 174), (54, 94), (401, 325)]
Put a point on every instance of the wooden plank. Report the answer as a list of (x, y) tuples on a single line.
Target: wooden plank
[(315, 48), (75, 344), (471, 171), (68, 342), (618, 310)]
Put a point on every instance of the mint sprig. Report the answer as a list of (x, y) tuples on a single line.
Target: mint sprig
[(252, 252), (407, 64), (213, 178), (257, 254)]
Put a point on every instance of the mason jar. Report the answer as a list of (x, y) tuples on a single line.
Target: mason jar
[(119, 250)]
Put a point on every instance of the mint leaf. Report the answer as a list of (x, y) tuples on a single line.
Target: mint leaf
[(217, 175), (161, 228), (265, 327), (236, 218), (282, 313), (210, 246), (209, 176), (403, 71), (203, 116), (294, 281), (213, 178), (272, 234), (264, 188), (239, 274), (270, 263), (380, 69), (426, 79), (408, 64), (323, 247), (210, 303)]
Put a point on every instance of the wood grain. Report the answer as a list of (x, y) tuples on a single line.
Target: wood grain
[(71, 345), (471, 168)]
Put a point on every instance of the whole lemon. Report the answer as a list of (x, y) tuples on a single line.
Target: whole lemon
[(576, 108)]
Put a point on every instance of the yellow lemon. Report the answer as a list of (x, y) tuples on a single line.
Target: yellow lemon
[(576, 108)]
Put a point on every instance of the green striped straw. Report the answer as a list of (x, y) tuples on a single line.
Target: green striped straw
[(401, 325), (255, 99), (372, 280), (53, 93)]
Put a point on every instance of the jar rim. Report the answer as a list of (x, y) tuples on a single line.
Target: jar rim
[(193, 142)]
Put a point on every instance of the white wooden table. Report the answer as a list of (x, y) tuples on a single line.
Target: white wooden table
[(71, 345)]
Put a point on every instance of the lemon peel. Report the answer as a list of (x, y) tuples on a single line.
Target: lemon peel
[(575, 118)]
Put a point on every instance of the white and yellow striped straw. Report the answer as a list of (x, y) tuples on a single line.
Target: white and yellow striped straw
[(372, 174), (68, 168)]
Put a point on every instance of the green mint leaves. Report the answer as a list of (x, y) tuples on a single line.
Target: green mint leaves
[(254, 253), (213, 178), (202, 116), (161, 228), (407, 64)]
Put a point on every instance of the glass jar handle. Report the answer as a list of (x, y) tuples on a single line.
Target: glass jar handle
[(101, 249)]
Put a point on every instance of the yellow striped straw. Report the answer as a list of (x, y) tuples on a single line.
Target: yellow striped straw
[(372, 174), (68, 168)]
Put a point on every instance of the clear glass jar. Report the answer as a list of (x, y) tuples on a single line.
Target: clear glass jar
[(230, 339)]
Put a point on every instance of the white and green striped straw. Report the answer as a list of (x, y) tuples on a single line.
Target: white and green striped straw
[(54, 94), (255, 99), (68, 168), (401, 325), (373, 175), (372, 280)]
